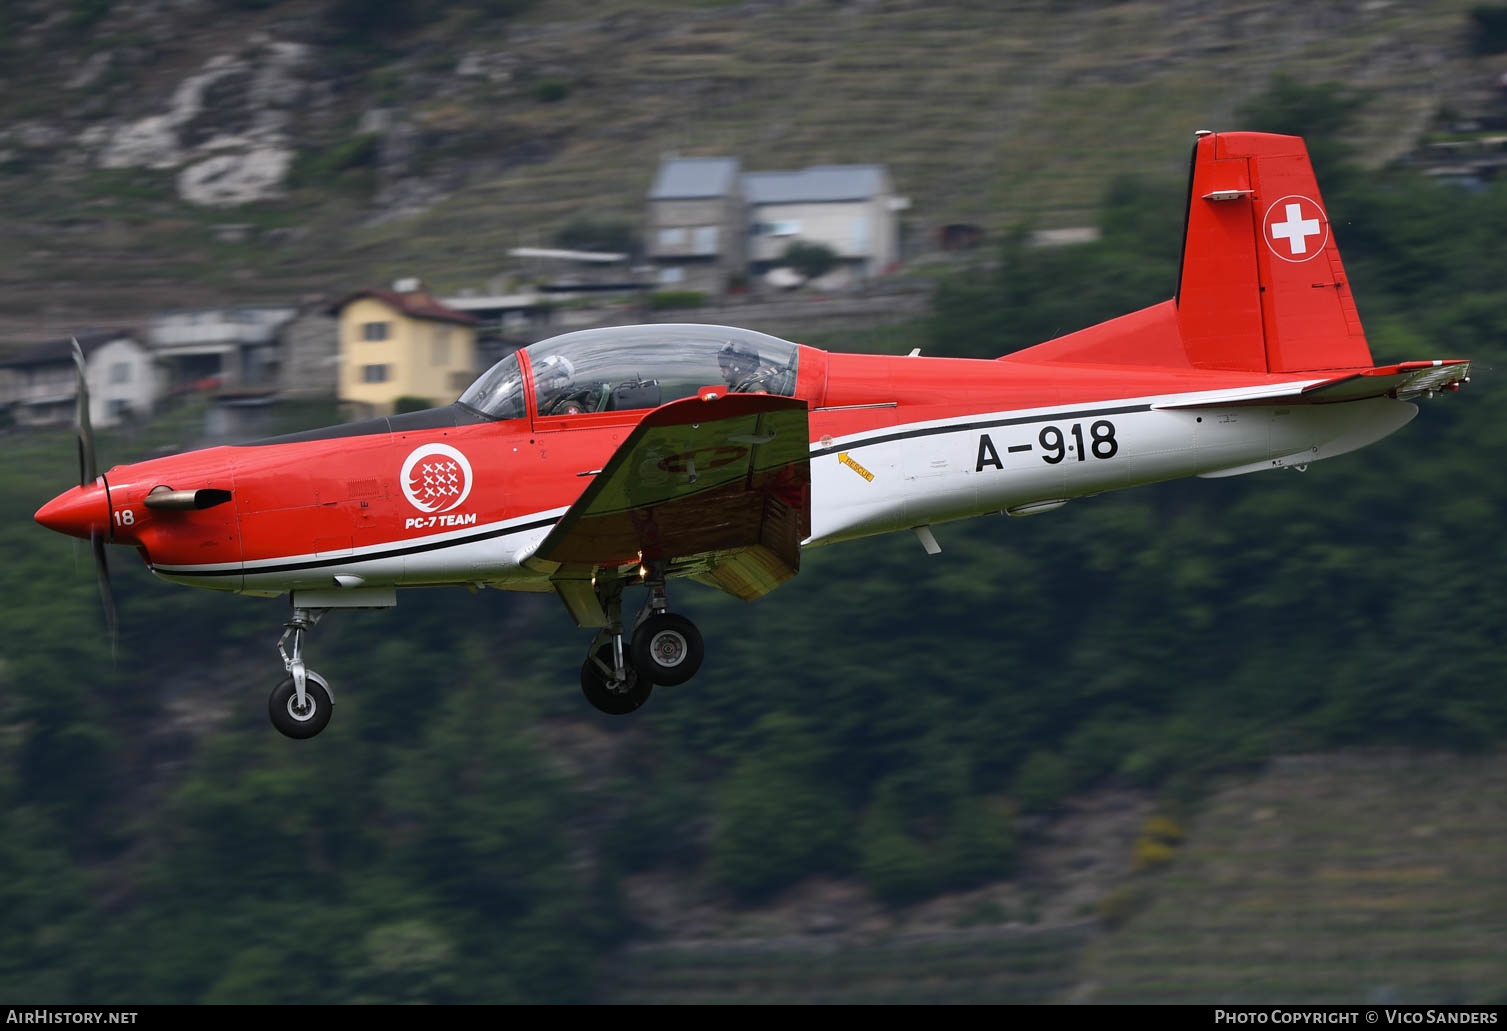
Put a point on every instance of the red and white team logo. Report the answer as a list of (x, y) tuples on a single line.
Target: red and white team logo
[(1296, 228), (436, 478)]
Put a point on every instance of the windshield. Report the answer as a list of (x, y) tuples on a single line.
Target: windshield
[(634, 367), (499, 392)]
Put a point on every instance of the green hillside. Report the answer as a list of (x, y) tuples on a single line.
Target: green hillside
[(1050, 762), (505, 120), (1331, 879), (1374, 877)]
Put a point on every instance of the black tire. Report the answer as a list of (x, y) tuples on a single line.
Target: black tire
[(667, 649), (594, 685), (282, 708)]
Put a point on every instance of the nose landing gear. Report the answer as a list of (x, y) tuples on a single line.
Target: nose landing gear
[(609, 680), (664, 648), (301, 705)]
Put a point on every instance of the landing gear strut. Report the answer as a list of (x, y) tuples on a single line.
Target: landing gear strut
[(301, 705), (608, 679), (621, 670)]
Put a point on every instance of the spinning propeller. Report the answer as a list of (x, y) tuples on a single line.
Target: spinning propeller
[(87, 474)]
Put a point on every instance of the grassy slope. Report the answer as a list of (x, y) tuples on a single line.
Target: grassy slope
[(1329, 879), (984, 113)]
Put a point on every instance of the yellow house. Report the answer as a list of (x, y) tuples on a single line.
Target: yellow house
[(403, 344)]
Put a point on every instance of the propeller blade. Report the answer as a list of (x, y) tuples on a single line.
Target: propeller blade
[(87, 470), (106, 595)]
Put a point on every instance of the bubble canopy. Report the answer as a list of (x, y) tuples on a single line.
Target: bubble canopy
[(623, 368)]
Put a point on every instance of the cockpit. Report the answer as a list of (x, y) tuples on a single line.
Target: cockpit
[(624, 368)]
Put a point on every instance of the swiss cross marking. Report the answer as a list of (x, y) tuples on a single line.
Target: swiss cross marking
[(1296, 228)]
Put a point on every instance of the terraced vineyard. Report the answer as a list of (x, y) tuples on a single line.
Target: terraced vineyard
[(985, 113), (1329, 879), (1004, 966), (1333, 879)]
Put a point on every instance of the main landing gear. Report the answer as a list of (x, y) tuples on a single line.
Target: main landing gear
[(622, 669), (302, 704)]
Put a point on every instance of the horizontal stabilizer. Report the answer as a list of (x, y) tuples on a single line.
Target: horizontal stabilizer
[(1403, 381)]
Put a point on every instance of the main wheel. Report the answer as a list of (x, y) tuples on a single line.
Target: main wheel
[(294, 722), (667, 648), (607, 694)]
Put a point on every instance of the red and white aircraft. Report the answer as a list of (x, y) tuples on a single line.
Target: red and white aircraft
[(605, 459)]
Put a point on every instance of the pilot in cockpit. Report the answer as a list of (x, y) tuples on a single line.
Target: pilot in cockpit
[(554, 379), (744, 371)]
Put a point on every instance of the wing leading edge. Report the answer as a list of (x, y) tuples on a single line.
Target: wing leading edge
[(717, 488)]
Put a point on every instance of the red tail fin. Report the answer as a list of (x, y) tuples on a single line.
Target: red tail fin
[(1262, 288)]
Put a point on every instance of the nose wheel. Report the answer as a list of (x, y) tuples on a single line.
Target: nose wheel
[(305, 720), (611, 688), (300, 706)]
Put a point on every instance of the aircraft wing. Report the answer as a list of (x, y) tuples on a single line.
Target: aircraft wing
[(1402, 381), (716, 488)]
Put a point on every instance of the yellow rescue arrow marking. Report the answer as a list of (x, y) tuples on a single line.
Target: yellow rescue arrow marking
[(842, 456)]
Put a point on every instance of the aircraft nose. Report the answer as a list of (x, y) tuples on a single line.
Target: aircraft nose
[(78, 512)]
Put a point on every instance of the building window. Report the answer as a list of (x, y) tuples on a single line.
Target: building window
[(374, 374), (859, 234), (671, 237), (439, 346), (460, 380), (120, 372), (671, 275), (375, 330), (706, 240), (784, 227)]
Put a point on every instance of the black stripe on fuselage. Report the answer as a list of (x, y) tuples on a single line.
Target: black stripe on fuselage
[(345, 560), (987, 424), (448, 417), (340, 431)]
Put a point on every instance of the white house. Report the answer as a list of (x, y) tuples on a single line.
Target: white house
[(38, 387), (850, 208)]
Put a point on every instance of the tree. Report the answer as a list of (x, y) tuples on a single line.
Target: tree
[(1319, 112), (811, 260), (776, 822), (598, 234)]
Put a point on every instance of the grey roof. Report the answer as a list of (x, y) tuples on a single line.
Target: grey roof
[(686, 178), (60, 352), (821, 183)]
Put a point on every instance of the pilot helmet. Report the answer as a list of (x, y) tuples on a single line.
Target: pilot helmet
[(554, 372), (737, 360)]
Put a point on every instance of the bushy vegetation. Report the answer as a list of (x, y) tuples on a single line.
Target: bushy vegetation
[(809, 260), (367, 23), (463, 830), (348, 162), (551, 91), (584, 233), (1488, 28), (664, 300), (410, 403)]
